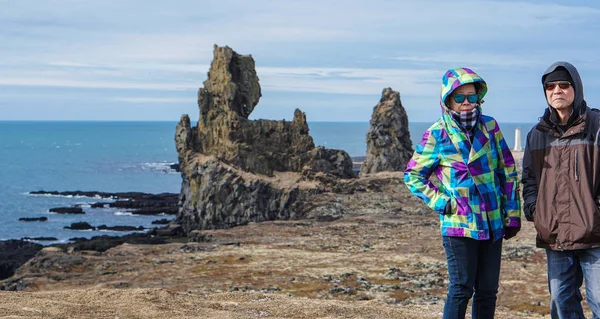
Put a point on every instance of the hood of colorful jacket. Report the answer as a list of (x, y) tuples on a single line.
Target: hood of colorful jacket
[(454, 78)]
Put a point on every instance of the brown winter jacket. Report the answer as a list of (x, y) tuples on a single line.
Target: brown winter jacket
[(561, 175)]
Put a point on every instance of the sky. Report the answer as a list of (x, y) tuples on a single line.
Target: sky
[(144, 60)]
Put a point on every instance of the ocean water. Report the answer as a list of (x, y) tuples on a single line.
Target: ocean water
[(114, 157), (351, 137)]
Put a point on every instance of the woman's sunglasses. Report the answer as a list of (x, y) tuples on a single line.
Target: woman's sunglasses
[(561, 84), (459, 98)]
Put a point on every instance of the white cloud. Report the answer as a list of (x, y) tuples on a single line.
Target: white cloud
[(347, 80), (324, 80), (310, 46), (54, 82), (153, 100)]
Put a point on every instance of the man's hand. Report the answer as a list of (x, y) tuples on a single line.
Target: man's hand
[(529, 213), (510, 232)]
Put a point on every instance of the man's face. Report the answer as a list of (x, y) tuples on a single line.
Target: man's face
[(559, 97)]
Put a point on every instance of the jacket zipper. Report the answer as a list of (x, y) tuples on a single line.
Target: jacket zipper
[(576, 164)]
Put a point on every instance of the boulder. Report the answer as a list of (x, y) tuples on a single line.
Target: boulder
[(33, 219), (80, 226), (67, 210), (389, 147), (120, 228)]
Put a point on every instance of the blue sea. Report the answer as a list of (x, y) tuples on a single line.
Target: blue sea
[(115, 157)]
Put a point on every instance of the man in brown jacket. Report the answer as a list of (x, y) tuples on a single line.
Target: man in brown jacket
[(561, 191)]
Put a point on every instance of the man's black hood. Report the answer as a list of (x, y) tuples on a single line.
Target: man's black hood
[(579, 104)]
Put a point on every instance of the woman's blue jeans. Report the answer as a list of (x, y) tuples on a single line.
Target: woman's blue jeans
[(473, 271), (566, 272)]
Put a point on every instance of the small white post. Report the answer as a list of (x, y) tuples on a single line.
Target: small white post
[(518, 140)]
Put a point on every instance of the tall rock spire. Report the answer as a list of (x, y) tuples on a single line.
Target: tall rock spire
[(389, 147)]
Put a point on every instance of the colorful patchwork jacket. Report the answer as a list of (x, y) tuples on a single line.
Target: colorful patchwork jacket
[(478, 178)]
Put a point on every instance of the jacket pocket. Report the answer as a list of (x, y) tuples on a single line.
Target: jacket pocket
[(546, 225), (452, 209)]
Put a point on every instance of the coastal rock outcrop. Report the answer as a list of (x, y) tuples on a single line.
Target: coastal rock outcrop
[(13, 254), (134, 202), (389, 146), (235, 170)]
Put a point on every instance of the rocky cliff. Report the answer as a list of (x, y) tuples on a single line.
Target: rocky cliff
[(389, 147), (235, 170)]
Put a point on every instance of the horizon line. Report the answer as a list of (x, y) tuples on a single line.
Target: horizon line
[(175, 121)]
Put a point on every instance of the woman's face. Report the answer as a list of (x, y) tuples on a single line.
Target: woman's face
[(462, 93)]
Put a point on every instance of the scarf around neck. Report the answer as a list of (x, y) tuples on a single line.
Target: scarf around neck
[(467, 120)]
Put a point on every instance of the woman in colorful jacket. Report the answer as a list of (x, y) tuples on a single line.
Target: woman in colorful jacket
[(477, 194)]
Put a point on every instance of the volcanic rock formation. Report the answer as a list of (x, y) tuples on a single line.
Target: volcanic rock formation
[(389, 147), (237, 170)]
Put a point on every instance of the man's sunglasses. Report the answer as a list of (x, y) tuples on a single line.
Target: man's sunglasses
[(459, 98), (561, 84)]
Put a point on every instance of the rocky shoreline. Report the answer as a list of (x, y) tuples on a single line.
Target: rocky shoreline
[(135, 203), (14, 253)]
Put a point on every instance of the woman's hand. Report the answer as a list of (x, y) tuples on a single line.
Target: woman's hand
[(448, 208), (510, 232)]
